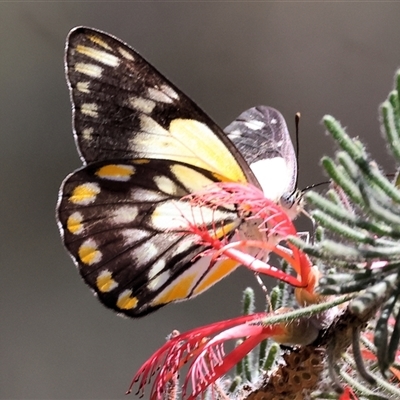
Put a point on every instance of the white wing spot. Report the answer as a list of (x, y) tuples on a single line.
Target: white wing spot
[(90, 109), (99, 55), (146, 195), (183, 246), (93, 70), (235, 134), (132, 236), (158, 95), (156, 283), (124, 215), (181, 215), (255, 125), (274, 121), (83, 87), (165, 185), (126, 54), (156, 268), (145, 252), (142, 104), (170, 92), (87, 133)]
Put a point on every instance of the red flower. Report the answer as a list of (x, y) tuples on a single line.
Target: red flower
[(274, 223), (206, 356), (348, 394)]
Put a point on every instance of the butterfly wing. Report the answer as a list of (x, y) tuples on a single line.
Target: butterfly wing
[(262, 137), (128, 230), (124, 108), (145, 145)]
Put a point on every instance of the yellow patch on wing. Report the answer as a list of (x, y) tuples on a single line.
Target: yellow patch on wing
[(125, 301), (190, 178), (116, 172), (187, 141), (105, 283), (74, 223), (212, 154), (85, 194), (217, 272), (100, 42), (223, 231), (140, 161), (88, 252), (179, 290)]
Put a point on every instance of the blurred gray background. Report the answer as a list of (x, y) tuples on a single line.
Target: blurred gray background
[(56, 340)]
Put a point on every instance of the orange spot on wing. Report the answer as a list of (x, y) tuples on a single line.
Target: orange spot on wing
[(178, 291), (216, 273)]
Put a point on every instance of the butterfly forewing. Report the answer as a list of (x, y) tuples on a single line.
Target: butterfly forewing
[(124, 108), (128, 230)]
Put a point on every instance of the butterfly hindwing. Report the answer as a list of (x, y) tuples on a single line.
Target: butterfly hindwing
[(127, 228), (124, 108), (262, 137)]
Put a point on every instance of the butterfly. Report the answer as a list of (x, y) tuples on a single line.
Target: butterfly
[(145, 146)]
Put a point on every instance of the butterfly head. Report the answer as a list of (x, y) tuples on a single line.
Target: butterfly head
[(292, 203)]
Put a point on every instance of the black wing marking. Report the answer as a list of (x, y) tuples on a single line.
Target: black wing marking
[(124, 108), (126, 227)]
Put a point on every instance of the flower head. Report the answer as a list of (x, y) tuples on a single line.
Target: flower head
[(273, 222)]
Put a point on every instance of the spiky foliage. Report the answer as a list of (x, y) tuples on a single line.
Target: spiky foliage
[(357, 248), (355, 308)]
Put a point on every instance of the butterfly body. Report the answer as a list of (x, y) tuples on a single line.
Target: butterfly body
[(125, 217)]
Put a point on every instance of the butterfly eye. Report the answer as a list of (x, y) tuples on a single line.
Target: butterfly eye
[(288, 200)]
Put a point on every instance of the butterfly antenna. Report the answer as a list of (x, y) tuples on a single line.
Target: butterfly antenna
[(314, 185), (297, 123)]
